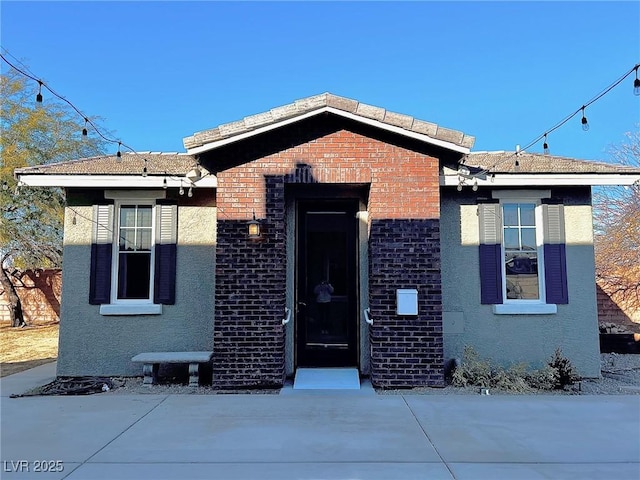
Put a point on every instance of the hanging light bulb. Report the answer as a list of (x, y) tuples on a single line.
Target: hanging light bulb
[(545, 145), (517, 165), (5, 186), (190, 193), (84, 130), (181, 191), (144, 169), (475, 185), (118, 153), (585, 123), (636, 83), (459, 187), (39, 95), (164, 183)]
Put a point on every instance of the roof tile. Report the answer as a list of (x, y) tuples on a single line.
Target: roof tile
[(505, 162), (342, 103), (129, 164), (449, 135), (426, 128), (398, 119), (370, 111)]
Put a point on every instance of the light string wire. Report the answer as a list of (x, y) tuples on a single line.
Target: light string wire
[(617, 82), (30, 75), (57, 95)]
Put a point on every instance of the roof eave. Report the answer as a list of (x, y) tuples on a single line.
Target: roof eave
[(112, 181), (545, 179), (368, 121)]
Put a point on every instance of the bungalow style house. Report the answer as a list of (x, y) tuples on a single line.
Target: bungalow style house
[(327, 233)]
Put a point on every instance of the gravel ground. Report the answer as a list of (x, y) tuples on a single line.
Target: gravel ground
[(620, 375)]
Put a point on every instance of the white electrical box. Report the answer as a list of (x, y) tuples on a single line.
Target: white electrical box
[(407, 301)]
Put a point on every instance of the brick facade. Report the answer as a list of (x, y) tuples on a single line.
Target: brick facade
[(404, 248)]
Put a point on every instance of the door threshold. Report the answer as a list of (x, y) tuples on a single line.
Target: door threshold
[(327, 379)]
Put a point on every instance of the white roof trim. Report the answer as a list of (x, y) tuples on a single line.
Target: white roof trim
[(546, 179), (113, 181), (375, 123)]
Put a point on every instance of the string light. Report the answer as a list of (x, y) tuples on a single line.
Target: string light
[(475, 185), (5, 186), (181, 191), (144, 169), (190, 194), (585, 123), (84, 129), (545, 145), (39, 95), (42, 84), (570, 116), (164, 183), (636, 83), (118, 153)]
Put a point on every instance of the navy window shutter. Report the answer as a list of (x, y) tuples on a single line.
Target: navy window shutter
[(490, 253), (164, 290), (101, 255), (555, 261), (490, 274)]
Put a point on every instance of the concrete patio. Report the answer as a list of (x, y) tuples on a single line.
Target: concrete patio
[(311, 436)]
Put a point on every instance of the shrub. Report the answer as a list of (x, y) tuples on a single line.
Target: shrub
[(512, 379), (544, 379), (473, 371), (566, 373), (477, 372)]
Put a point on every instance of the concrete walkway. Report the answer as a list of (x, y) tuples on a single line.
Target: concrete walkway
[(330, 436)]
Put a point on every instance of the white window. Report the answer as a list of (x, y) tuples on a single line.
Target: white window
[(522, 252), (133, 264), (134, 253)]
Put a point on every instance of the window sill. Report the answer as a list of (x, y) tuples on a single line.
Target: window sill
[(140, 309), (526, 309)]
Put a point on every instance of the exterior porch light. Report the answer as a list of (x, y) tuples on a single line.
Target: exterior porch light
[(253, 228), (194, 174)]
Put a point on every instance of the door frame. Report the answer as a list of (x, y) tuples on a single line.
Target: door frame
[(351, 357)]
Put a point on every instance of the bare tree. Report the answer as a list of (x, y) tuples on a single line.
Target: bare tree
[(31, 218), (617, 227)]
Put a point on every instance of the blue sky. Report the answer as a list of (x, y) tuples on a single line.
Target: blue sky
[(505, 72)]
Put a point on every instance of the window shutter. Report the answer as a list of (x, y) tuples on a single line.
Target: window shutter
[(555, 262), (490, 253), (165, 252), (101, 253)]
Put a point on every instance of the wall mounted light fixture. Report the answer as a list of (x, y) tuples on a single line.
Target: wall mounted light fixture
[(253, 228)]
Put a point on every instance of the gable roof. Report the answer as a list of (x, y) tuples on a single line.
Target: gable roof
[(157, 163), (111, 171), (505, 162), (500, 169), (300, 109)]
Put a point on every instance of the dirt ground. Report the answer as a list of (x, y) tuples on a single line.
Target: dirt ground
[(28, 347)]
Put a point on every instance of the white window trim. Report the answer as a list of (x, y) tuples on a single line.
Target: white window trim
[(518, 306), (525, 308), (133, 306), (131, 309)]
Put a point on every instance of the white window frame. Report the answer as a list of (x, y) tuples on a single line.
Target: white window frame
[(511, 306), (132, 306)]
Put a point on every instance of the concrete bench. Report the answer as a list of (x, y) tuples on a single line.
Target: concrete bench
[(151, 362)]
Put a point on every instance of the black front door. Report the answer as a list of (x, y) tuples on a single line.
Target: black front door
[(326, 290)]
